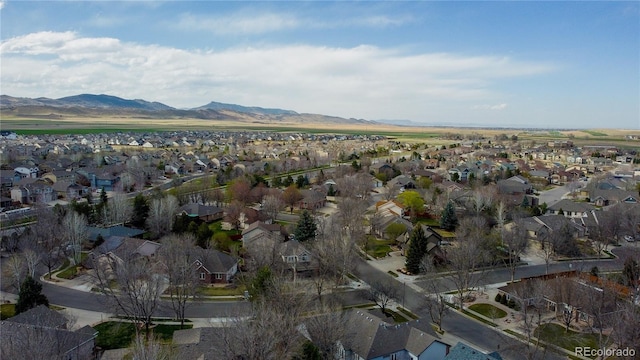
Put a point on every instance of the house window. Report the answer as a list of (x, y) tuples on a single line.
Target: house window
[(218, 276), (394, 357), (203, 276)]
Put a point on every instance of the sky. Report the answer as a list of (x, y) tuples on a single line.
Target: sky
[(558, 64)]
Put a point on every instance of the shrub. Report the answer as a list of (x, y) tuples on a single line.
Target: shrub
[(503, 300), (511, 303), (498, 297)]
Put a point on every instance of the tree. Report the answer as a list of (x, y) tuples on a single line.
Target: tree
[(132, 284), (413, 201), (630, 271), (46, 239), (449, 219), (381, 293), (434, 303), (30, 295), (178, 256), (160, 210), (467, 259), (306, 227), (203, 235), (15, 269), (239, 190), (291, 196), (515, 242), (118, 210), (76, 231), (271, 206), (140, 211), (417, 250)]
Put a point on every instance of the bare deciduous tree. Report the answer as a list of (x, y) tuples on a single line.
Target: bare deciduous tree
[(178, 255), (515, 240), (382, 293), (76, 230), (271, 206), (435, 303), (15, 269), (132, 285), (118, 209), (467, 258), (270, 332), (46, 239), (161, 213)]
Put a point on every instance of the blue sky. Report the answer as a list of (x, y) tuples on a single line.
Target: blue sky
[(512, 64)]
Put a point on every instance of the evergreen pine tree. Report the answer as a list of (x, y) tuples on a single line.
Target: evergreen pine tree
[(417, 250), (449, 220), (140, 211), (306, 228), (30, 295)]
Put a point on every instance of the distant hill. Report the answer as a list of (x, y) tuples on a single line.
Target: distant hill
[(90, 105), (244, 109)]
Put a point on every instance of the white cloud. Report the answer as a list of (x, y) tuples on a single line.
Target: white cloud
[(2, 3), (240, 23), (491, 107), (363, 81)]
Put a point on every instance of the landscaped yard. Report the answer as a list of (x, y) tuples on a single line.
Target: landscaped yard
[(378, 248), (118, 335), (488, 311), (557, 335)]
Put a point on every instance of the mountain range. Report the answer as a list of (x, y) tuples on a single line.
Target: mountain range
[(90, 105)]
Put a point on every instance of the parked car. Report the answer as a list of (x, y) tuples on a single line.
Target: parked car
[(629, 238)]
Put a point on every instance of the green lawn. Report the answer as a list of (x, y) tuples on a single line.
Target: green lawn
[(115, 334), (118, 335), (488, 311), (7, 311), (378, 248), (445, 233), (221, 291), (557, 335)]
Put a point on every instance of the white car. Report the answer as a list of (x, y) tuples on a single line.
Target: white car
[(629, 238)]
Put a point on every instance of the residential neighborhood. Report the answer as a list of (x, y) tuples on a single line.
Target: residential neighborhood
[(343, 246)]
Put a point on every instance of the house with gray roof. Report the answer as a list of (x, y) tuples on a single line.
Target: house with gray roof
[(465, 352), (369, 337), (41, 333), (570, 209), (203, 212), (215, 267)]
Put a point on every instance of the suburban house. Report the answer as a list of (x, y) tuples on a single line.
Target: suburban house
[(215, 267), (402, 183), (118, 248), (259, 231), (602, 197), (369, 337), (296, 257), (262, 241), (35, 192), (538, 227), (312, 199), (515, 185), (41, 333), (570, 209), (580, 296), (202, 212), (392, 207)]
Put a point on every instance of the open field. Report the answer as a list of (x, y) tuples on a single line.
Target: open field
[(614, 137)]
